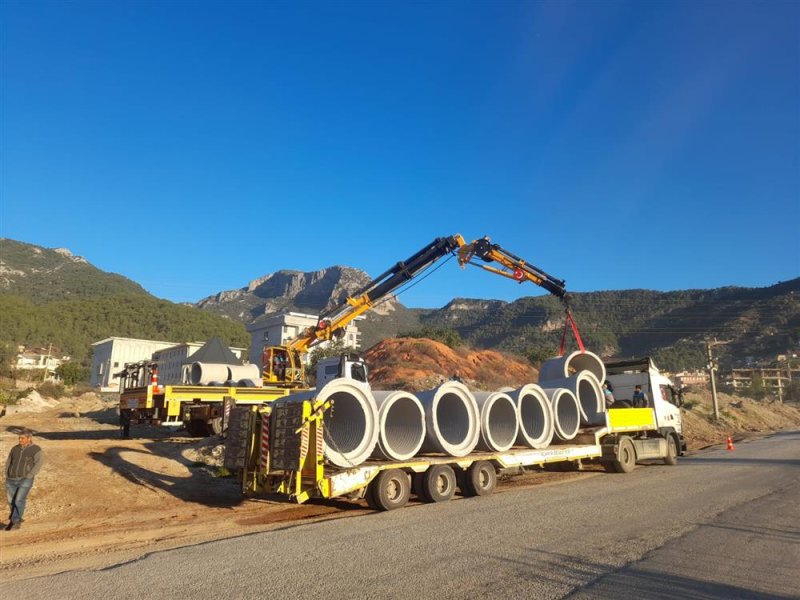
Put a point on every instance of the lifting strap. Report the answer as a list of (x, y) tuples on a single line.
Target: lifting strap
[(569, 320)]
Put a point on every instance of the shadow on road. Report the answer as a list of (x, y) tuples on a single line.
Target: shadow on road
[(732, 460), (551, 568)]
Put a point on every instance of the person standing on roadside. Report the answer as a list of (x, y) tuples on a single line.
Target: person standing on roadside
[(24, 461)]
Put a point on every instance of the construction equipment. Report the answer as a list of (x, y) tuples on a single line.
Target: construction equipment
[(279, 450), (283, 365)]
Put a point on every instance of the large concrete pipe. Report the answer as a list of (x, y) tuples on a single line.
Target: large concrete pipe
[(207, 373), (451, 419), (535, 412), (567, 414), (351, 424), (499, 421), (589, 392), (239, 372), (562, 367), (401, 425)]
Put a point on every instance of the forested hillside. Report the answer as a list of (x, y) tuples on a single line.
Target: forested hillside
[(45, 274), (72, 325)]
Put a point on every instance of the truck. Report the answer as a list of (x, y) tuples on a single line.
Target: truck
[(278, 450)]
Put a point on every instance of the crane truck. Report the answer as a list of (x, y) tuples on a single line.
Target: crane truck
[(202, 409), (279, 449)]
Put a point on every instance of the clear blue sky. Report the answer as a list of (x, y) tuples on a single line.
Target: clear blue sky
[(194, 146)]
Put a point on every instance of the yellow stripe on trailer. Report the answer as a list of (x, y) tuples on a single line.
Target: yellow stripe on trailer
[(631, 419)]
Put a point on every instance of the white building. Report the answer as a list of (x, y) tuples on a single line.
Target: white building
[(39, 359), (278, 329), (110, 355), (175, 362)]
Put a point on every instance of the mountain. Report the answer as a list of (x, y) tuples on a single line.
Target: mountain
[(758, 323), (310, 292), (51, 297), (44, 274)]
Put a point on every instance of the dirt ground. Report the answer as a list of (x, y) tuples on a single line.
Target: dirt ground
[(100, 500)]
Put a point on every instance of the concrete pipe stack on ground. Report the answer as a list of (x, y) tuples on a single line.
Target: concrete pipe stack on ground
[(351, 424), (208, 373), (451, 419), (535, 414), (401, 425), (499, 420), (566, 412)]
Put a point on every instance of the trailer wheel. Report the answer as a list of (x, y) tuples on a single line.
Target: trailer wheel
[(671, 458), (480, 479), (215, 426), (626, 456), (439, 483), (369, 496), (390, 489), (418, 488)]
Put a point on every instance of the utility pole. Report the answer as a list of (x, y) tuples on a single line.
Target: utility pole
[(711, 370)]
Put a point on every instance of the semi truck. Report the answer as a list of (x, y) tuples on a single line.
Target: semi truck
[(278, 450)]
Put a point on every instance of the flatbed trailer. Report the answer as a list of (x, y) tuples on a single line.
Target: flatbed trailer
[(200, 408), (279, 450)]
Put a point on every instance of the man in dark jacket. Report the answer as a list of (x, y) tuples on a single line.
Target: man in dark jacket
[(23, 463)]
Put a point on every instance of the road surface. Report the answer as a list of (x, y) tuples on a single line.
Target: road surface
[(719, 525)]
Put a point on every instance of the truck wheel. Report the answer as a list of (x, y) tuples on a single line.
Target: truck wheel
[(626, 456), (439, 483), (390, 489), (480, 479), (671, 458), (215, 426)]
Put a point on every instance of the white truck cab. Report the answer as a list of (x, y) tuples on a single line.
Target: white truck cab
[(663, 397), (349, 365)]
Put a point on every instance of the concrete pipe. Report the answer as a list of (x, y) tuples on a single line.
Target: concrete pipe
[(569, 364), (401, 425), (239, 372), (536, 418), (499, 421), (351, 425), (587, 389), (208, 373), (566, 413), (451, 419)]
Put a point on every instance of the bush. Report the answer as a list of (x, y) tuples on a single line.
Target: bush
[(449, 337), (51, 390)]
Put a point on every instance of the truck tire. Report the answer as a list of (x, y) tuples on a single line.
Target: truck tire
[(671, 458), (480, 479), (438, 483), (626, 456), (390, 489), (215, 426)]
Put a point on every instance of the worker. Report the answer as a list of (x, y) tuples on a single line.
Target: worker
[(608, 394), (23, 463), (640, 398)]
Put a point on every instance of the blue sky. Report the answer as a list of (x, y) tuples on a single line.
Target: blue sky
[(194, 146)]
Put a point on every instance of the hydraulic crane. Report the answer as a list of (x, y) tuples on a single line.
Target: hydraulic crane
[(283, 365), (513, 267)]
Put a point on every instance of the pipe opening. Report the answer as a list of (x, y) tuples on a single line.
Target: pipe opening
[(402, 427), (501, 425), (452, 418), (345, 428), (532, 416)]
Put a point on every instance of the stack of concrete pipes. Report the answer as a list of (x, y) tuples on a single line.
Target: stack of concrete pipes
[(451, 420)]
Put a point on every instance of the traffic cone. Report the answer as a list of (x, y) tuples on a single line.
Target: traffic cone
[(730, 442)]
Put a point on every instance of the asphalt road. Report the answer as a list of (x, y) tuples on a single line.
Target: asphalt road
[(719, 525)]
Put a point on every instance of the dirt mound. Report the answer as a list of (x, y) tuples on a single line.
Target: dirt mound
[(738, 417), (415, 364)]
